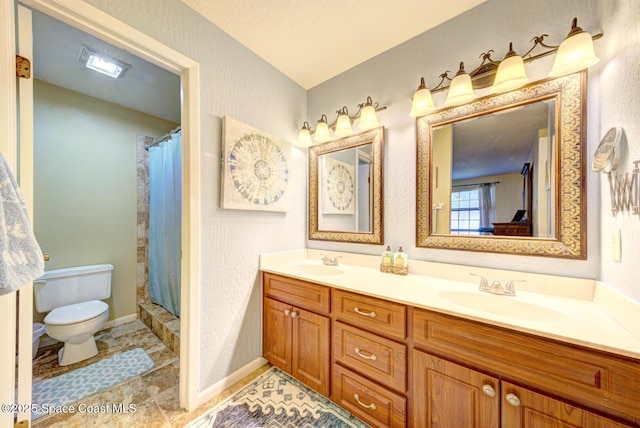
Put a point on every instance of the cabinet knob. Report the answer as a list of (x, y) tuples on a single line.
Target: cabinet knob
[(366, 357), (364, 313), (371, 406), (287, 312), (488, 390), (512, 399), (294, 314)]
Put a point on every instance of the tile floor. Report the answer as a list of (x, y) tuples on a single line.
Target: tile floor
[(155, 393)]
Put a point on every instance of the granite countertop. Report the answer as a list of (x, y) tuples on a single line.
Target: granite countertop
[(574, 317)]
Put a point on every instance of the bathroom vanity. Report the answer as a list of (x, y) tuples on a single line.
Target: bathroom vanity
[(423, 351)]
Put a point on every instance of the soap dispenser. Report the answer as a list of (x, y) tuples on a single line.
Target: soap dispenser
[(386, 265), (400, 262)]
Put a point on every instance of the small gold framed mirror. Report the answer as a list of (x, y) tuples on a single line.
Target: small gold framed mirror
[(346, 189), (505, 173)]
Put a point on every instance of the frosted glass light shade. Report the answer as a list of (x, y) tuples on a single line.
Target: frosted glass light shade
[(510, 75), (460, 90), (322, 132), (574, 54), (304, 138), (343, 125), (368, 118), (422, 102)]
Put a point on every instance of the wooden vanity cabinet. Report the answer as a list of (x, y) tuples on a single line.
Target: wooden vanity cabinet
[(448, 395), (295, 339), (370, 358), (575, 378)]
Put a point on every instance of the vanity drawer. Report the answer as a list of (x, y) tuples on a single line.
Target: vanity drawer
[(303, 294), (371, 314), (372, 403), (591, 378), (380, 359)]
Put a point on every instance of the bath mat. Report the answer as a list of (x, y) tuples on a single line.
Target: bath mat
[(276, 399), (81, 383)]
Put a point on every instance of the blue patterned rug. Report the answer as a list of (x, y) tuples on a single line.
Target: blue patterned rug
[(81, 383), (277, 400)]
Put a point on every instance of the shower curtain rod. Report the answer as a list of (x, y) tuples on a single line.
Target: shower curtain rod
[(165, 138), (475, 184)]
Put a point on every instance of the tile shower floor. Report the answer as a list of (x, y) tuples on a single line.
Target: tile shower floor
[(155, 393)]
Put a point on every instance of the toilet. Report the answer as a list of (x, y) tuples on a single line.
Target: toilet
[(72, 297)]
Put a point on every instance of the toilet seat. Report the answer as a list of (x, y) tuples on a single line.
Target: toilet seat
[(76, 313)]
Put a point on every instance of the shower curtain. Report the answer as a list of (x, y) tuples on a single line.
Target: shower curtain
[(165, 222)]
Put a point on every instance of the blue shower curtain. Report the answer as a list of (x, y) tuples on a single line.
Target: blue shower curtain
[(165, 222)]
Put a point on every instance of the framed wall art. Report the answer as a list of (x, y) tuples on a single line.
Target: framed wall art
[(255, 169)]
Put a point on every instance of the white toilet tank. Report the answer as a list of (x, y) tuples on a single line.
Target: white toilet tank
[(66, 286)]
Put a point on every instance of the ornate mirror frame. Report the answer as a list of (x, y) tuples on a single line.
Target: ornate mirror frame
[(570, 240), (375, 137)]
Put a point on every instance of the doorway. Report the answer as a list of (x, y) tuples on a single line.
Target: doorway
[(107, 28)]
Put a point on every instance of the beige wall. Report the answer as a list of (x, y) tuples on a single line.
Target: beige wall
[(85, 184), (441, 176)]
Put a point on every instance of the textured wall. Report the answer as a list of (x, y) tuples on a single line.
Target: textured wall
[(234, 82), (85, 184), (392, 77), (619, 100)]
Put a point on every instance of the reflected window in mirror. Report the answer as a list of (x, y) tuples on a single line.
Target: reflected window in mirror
[(505, 172), (345, 189)]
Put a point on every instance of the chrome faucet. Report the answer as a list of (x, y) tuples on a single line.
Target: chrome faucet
[(496, 287), (329, 261)]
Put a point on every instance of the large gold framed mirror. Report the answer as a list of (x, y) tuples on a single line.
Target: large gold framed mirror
[(505, 173), (346, 188)]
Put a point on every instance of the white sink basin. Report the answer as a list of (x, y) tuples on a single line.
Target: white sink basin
[(312, 269), (509, 306)]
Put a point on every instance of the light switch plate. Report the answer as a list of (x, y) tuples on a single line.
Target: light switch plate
[(616, 245)]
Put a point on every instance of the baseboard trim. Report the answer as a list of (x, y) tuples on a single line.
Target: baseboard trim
[(120, 321), (228, 381)]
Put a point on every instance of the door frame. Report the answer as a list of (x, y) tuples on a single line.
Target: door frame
[(104, 26)]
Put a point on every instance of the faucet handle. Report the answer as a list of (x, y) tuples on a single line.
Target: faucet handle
[(484, 284), (510, 289)]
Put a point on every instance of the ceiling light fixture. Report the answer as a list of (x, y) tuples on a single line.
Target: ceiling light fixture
[(102, 63), (574, 54), (342, 126)]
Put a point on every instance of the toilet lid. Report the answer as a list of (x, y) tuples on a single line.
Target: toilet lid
[(76, 313)]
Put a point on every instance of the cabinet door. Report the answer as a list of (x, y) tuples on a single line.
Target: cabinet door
[(276, 334), (522, 408), (446, 395), (310, 349)]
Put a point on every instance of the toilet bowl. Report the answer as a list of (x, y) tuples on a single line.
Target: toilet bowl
[(72, 297), (75, 325)]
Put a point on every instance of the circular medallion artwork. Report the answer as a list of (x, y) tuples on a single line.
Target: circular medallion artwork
[(258, 169), (340, 187)]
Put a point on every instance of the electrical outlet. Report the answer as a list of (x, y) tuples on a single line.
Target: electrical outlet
[(616, 245)]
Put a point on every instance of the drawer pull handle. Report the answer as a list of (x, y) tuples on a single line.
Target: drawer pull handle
[(366, 314), (366, 357), (294, 314), (488, 390), (287, 312), (513, 400), (371, 406)]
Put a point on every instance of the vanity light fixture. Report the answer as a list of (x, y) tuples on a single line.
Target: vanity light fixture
[(422, 101), (304, 137), (322, 133), (511, 74), (461, 89), (343, 123), (574, 54), (342, 126), (101, 63)]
